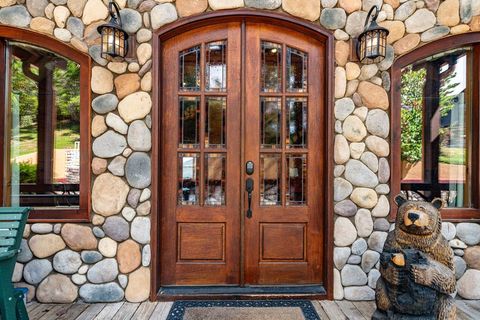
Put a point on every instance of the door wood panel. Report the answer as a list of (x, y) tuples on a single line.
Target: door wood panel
[(201, 242)]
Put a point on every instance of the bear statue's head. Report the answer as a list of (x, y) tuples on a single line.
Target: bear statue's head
[(418, 217)]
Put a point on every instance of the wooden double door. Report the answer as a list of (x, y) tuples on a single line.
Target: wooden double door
[(242, 157)]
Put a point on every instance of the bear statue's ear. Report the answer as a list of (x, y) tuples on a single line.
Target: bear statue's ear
[(438, 203), (400, 199)]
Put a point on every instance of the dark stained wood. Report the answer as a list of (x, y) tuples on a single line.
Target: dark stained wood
[(3, 100), (441, 45), (58, 215)]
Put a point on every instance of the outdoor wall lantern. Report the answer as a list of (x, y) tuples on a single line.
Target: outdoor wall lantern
[(114, 38), (371, 44)]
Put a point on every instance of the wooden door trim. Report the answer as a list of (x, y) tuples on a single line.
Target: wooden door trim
[(244, 15)]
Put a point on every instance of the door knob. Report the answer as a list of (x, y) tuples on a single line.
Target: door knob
[(249, 189)]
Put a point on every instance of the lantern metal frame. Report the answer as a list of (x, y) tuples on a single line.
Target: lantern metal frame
[(115, 28), (372, 32)]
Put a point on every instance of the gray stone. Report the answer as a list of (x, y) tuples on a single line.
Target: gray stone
[(95, 52), (133, 197), (91, 257), (128, 213), (333, 18), (116, 228), (162, 14), (382, 209), (67, 262), (109, 144), (116, 123), (382, 189), (386, 80), (460, 266), (338, 170), (457, 244), (337, 285), (405, 10), (467, 286), (37, 270), (138, 170), (363, 222), (353, 276), (75, 26), (140, 230), (369, 259), (386, 63), (329, 3), (344, 233), (465, 11), (17, 272), (360, 175), (62, 34), (469, 233), (381, 224), (354, 259), (368, 4), (58, 2), (146, 193), (139, 136), (343, 108), (421, 20), (103, 271), (359, 246), (435, 33), (145, 68), (432, 4), (373, 276), (133, 3), (383, 170), (448, 230), (79, 279), (371, 160), (146, 255), (131, 20), (98, 232), (109, 292), (345, 208), (263, 4), (340, 256), (363, 293), (25, 253), (378, 123), (368, 71), (41, 228), (37, 7), (459, 252), (17, 16), (123, 280), (105, 103), (377, 240), (355, 23), (341, 189), (117, 166)]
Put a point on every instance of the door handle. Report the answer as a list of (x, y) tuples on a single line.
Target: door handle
[(249, 189)]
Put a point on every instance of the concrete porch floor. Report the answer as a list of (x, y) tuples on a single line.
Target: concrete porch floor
[(333, 310)]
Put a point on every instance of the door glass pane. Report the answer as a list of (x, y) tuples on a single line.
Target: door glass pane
[(188, 178), (215, 126), (215, 179), (270, 179), (271, 72), (189, 73), (296, 70), (189, 122), (216, 66), (297, 179), (271, 122), (296, 123)]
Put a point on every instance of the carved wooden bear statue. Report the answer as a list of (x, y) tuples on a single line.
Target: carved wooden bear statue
[(417, 273)]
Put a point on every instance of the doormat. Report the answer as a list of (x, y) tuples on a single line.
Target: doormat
[(243, 309)]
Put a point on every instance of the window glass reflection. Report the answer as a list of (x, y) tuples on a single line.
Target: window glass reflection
[(271, 70), (270, 179), (296, 123), (271, 122), (189, 73), (216, 66), (215, 122), (297, 179), (189, 125), (188, 178), (296, 70), (215, 179)]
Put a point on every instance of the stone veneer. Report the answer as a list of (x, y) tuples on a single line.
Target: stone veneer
[(109, 259)]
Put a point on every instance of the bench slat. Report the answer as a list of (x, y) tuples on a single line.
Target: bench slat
[(7, 242), (11, 216), (8, 233), (9, 225)]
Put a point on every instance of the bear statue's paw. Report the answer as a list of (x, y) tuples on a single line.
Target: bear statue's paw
[(421, 274)]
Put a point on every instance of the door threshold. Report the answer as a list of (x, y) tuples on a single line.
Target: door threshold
[(235, 292)]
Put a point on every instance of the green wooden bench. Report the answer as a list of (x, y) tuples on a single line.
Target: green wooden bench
[(12, 224)]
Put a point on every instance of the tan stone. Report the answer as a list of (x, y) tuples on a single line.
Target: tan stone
[(461, 28), (57, 288), (102, 80), (354, 129), (61, 14), (306, 9), (350, 5), (99, 165), (98, 220), (340, 82), (76, 7), (79, 237), (93, 11), (98, 126), (373, 96), (42, 25), (472, 257), (448, 13), (136, 290), (146, 83), (475, 23), (396, 28), (135, 106), (189, 7), (342, 50), (353, 70), (129, 256), (394, 3), (364, 197), (225, 4), (91, 35), (406, 44), (79, 44), (126, 84), (377, 145), (144, 53), (118, 67), (107, 247), (49, 10), (109, 194), (7, 3), (46, 245)]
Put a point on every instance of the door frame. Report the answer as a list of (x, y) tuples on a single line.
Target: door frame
[(215, 17)]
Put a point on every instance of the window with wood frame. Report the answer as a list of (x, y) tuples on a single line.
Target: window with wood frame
[(436, 119), (45, 129)]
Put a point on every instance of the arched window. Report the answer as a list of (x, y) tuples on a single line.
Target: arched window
[(435, 121), (44, 123)]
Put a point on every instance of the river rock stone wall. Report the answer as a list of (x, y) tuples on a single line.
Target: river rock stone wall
[(109, 259)]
